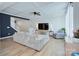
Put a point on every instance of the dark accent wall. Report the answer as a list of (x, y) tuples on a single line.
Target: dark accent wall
[(0, 26), (5, 28)]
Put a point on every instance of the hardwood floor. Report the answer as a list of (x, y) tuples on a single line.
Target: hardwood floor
[(55, 47), (71, 47)]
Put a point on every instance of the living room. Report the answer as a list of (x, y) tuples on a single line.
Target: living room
[(36, 28)]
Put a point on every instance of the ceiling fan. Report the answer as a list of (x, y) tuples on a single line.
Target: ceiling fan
[(36, 13)]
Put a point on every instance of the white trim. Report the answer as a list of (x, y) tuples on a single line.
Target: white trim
[(5, 37), (69, 21)]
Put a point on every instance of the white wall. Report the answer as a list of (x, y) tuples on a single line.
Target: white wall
[(76, 17), (54, 24), (58, 23), (54, 14)]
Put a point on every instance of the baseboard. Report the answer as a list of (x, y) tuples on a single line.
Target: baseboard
[(68, 40), (6, 37)]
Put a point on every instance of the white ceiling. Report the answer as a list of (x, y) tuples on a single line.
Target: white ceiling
[(24, 9)]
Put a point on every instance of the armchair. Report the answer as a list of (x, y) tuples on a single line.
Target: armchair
[(60, 34)]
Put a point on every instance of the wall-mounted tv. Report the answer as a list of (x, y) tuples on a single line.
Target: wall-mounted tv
[(43, 26)]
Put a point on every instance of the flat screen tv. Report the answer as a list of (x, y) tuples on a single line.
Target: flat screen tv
[(43, 26)]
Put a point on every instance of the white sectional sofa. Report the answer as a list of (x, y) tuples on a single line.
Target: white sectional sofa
[(30, 37)]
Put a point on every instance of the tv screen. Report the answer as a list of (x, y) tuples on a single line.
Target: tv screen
[(43, 26)]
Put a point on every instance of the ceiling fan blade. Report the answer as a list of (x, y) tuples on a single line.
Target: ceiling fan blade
[(36, 13)]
